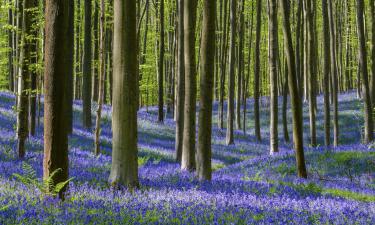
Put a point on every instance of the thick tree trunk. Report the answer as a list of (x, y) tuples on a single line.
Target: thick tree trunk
[(206, 90), (293, 89), (124, 170), (364, 73), (55, 132), (188, 150)]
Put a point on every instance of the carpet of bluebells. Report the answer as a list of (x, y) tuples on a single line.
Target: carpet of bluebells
[(248, 185)]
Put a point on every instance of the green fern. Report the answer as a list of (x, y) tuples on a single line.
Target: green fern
[(47, 186)]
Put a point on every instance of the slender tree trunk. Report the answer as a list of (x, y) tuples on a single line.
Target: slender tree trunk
[(240, 61), (248, 69), (293, 89), (206, 90), (188, 149), (310, 68), (272, 59), (33, 60), (333, 75), (257, 70), (161, 64), (180, 83), (10, 51), (285, 103), (86, 84), (231, 85), (124, 170), (223, 66), (326, 71), (24, 79), (102, 55), (95, 52), (364, 73), (55, 87)]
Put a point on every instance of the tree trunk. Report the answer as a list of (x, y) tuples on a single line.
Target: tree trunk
[(124, 170), (161, 65), (273, 53), (24, 79), (364, 73), (180, 83), (55, 124), (326, 71), (240, 61), (70, 65), (86, 84), (333, 75), (257, 71), (188, 150), (372, 84), (231, 85), (101, 76), (293, 89), (206, 90)]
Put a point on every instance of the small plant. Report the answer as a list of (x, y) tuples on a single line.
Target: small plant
[(47, 187)]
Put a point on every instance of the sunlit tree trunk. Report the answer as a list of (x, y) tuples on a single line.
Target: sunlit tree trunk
[(293, 89), (124, 170), (188, 149)]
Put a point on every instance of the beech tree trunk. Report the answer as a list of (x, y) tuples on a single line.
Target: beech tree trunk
[(55, 88), (180, 83), (293, 89), (368, 137), (188, 150), (206, 90), (231, 84), (272, 59), (257, 71), (124, 169), (86, 84)]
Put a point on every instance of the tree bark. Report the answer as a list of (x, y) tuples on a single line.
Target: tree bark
[(161, 65), (55, 126), (124, 170), (86, 84), (206, 90), (272, 59), (188, 149), (364, 73), (293, 89), (180, 83), (231, 84), (257, 71)]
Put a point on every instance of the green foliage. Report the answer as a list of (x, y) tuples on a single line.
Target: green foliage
[(143, 160), (47, 186), (350, 195)]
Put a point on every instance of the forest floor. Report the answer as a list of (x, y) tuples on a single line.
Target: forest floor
[(248, 186)]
